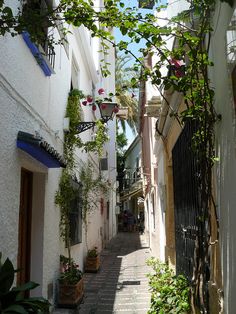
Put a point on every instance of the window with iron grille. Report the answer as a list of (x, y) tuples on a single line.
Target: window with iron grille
[(37, 36)]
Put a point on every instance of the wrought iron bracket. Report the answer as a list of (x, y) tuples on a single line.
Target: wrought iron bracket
[(83, 126)]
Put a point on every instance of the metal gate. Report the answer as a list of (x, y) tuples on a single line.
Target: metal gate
[(186, 201)]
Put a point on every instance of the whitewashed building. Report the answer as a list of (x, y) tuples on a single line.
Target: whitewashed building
[(221, 283), (33, 99)]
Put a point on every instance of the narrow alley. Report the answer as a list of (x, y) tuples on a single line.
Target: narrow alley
[(121, 285)]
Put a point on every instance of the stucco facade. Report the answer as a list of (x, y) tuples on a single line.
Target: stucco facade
[(34, 103), (222, 75)]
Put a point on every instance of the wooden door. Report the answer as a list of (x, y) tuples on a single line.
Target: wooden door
[(24, 235)]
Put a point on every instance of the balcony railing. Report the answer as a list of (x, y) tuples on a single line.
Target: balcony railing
[(48, 51), (130, 179)]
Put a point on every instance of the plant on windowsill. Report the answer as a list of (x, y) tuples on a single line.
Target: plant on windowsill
[(92, 263), (71, 284)]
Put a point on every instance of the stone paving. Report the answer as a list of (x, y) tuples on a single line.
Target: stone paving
[(121, 285)]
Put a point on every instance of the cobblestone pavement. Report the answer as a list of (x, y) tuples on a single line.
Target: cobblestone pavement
[(121, 285)]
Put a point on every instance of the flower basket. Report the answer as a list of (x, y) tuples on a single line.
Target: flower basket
[(70, 295), (92, 264), (70, 284)]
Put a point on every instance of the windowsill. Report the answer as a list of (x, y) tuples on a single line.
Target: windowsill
[(38, 55)]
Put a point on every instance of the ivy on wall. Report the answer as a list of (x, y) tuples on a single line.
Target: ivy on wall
[(68, 191), (187, 63)]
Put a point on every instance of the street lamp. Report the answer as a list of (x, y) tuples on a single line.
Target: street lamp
[(107, 111)]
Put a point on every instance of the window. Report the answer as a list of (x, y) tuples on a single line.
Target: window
[(103, 164), (76, 215), (36, 36), (75, 73), (108, 210), (233, 77)]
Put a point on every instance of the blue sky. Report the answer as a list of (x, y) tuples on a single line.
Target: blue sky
[(134, 47)]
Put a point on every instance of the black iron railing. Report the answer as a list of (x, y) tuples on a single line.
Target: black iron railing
[(49, 51), (131, 177), (186, 201)]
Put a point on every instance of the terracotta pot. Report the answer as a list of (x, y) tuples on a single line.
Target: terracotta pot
[(92, 264), (70, 295)]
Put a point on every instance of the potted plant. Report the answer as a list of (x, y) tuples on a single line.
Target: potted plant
[(92, 263), (15, 299), (71, 284)]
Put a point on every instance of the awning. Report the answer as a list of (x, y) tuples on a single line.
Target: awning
[(132, 194), (39, 149)]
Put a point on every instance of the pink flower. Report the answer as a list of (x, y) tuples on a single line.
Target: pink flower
[(84, 102), (89, 99), (177, 63), (101, 91), (116, 109), (103, 106), (94, 107)]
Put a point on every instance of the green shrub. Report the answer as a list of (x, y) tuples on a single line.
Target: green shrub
[(169, 293), (12, 299)]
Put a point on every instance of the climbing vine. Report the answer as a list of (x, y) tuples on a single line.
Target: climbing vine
[(72, 139), (68, 189), (93, 188), (187, 64)]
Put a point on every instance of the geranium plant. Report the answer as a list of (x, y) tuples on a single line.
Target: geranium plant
[(70, 272), (93, 252), (99, 101)]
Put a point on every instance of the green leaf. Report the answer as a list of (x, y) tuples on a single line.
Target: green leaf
[(15, 309), (7, 274), (27, 286), (7, 11)]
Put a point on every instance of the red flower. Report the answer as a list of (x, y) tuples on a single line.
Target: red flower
[(179, 73), (89, 99), (94, 107), (101, 91), (84, 102), (103, 106), (116, 109)]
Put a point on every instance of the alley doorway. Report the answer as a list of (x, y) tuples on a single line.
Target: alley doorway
[(24, 234)]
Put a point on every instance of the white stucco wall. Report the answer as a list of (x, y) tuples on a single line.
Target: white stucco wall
[(32, 102), (225, 149)]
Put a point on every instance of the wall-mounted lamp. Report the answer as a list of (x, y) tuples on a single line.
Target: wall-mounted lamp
[(107, 111)]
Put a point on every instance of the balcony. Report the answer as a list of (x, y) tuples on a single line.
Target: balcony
[(131, 181)]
